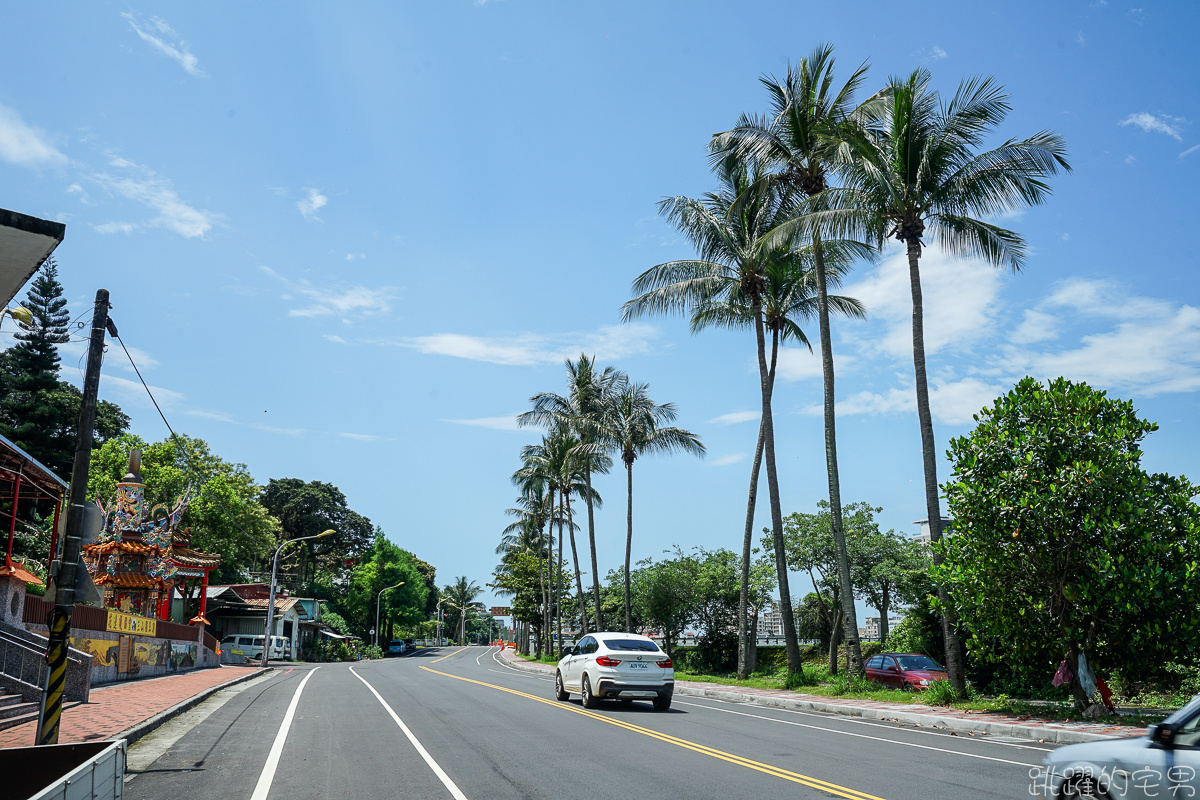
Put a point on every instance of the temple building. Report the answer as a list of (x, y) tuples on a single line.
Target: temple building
[(140, 557)]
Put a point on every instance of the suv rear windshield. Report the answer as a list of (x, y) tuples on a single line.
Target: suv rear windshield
[(634, 645)]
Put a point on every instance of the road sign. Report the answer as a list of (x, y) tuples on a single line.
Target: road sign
[(501, 611)]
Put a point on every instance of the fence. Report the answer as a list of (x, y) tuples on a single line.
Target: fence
[(95, 618)]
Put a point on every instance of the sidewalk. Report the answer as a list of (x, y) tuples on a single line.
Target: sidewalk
[(132, 709), (978, 723)]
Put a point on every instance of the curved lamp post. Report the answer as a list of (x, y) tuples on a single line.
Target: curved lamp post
[(271, 597), (379, 597), (19, 313), (462, 617)]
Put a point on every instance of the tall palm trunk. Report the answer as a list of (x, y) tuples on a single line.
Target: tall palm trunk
[(547, 591), (849, 615), (954, 662), (558, 584), (628, 539), (767, 381), (745, 644), (583, 614), (587, 478)]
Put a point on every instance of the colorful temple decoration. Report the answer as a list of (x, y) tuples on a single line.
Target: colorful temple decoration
[(139, 558)]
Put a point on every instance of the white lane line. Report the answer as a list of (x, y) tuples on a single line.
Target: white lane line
[(859, 735), (880, 723), (268, 773), (455, 792), (481, 655)]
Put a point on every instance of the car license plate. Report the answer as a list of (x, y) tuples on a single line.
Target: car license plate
[(638, 665)]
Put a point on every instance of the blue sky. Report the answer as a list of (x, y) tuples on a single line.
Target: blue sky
[(348, 242)]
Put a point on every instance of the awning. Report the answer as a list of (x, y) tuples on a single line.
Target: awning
[(24, 244)]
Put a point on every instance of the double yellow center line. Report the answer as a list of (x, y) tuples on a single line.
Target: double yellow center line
[(778, 772)]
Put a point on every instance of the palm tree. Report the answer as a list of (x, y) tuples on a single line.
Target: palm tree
[(796, 142), (461, 595), (787, 297), (731, 230), (579, 411), (631, 425), (921, 170)]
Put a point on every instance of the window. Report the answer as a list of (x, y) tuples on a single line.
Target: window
[(888, 662), (588, 645), (245, 640), (918, 662), (631, 645), (875, 662)]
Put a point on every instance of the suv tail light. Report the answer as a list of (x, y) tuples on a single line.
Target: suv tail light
[(665, 664), (605, 661)]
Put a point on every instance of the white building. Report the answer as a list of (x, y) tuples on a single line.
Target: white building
[(872, 629), (924, 535)]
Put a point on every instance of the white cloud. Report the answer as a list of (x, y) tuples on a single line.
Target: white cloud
[(507, 423), (329, 337), (734, 418), (216, 416), (355, 301), (361, 437), (1080, 39), (283, 431), (609, 343), (1189, 151), (23, 145), (1036, 326), (1130, 160), (929, 55), (144, 186), (115, 227), (1153, 346), (1162, 123), (125, 392), (309, 206), (163, 38), (960, 298), (950, 402), (725, 461)]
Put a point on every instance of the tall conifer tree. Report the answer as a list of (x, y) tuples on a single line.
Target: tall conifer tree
[(29, 415)]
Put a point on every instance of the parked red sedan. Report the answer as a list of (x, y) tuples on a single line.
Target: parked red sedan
[(908, 671)]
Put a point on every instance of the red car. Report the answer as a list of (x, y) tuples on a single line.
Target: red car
[(908, 671)]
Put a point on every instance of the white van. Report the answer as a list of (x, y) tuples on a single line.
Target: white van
[(252, 647)]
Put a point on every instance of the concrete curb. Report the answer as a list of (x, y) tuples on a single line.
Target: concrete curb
[(892, 713), (135, 732)]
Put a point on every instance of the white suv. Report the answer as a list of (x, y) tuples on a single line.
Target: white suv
[(622, 666)]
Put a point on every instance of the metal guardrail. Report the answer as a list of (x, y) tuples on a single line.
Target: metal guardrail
[(21, 660)]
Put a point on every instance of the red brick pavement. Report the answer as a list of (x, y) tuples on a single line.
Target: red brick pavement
[(118, 707)]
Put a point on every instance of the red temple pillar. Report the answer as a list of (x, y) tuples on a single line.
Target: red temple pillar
[(204, 594)]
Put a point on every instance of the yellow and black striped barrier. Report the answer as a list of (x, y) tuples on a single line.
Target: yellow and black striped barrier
[(56, 676)]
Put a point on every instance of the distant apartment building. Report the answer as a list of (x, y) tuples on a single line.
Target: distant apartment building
[(871, 631), (923, 536), (770, 622)]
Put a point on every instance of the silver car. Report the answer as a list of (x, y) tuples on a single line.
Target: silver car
[(621, 666), (1163, 764)]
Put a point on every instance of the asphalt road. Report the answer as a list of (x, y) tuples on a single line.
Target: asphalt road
[(456, 723)]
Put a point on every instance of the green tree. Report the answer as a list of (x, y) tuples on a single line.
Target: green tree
[(306, 509), (634, 425), (666, 594), (29, 417), (383, 565), (887, 567), (1064, 544), (920, 169), (809, 118), (223, 513)]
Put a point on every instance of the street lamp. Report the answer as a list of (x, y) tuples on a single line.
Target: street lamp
[(271, 596), (462, 618), (379, 597), (19, 313)]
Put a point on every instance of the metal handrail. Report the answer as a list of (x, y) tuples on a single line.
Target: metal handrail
[(30, 662)]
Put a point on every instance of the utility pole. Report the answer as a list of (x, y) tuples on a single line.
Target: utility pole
[(64, 597)]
